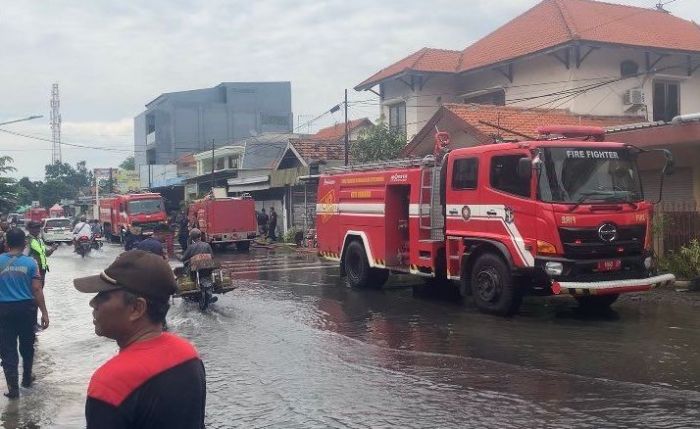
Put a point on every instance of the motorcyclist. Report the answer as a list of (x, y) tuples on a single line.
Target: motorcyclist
[(82, 230), (195, 247)]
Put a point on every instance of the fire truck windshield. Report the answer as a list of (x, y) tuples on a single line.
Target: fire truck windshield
[(587, 174), (145, 206)]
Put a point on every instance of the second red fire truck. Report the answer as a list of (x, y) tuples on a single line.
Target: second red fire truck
[(118, 213), (225, 221), (550, 216)]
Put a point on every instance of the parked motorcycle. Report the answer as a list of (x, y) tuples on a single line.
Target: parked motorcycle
[(83, 246)]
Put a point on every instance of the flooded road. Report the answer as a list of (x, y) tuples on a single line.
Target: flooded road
[(293, 347)]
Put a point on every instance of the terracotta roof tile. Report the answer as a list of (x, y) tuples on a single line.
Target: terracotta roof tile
[(426, 59), (337, 131), (316, 150), (552, 23)]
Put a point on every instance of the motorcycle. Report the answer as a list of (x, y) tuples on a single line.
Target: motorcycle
[(202, 281), (83, 246), (97, 241)]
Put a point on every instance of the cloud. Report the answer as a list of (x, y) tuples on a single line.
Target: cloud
[(111, 58)]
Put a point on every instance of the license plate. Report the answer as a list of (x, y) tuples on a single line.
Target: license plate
[(612, 265)]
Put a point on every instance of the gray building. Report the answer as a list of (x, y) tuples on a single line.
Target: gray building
[(178, 123)]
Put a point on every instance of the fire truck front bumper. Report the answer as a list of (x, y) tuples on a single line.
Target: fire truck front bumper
[(611, 287)]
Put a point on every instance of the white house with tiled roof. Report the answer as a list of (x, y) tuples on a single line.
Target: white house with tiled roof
[(582, 56)]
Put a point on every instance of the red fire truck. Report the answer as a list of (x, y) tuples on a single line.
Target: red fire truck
[(225, 221), (36, 214), (120, 212), (562, 215)]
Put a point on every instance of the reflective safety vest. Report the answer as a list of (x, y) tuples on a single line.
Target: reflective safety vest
[(37, 245)]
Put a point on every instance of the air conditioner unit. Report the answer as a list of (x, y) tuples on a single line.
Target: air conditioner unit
[(633, 97)]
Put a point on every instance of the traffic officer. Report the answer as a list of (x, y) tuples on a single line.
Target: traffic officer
[(36, 248)]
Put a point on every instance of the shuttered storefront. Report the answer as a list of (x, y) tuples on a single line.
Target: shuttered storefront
[(678, 189)]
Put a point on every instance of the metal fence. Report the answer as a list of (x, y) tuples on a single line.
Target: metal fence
[(676, 223)]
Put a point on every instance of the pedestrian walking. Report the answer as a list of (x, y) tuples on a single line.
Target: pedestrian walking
[(183, 232), (272, 229), (157, 380), (21, 293), (262, 223)]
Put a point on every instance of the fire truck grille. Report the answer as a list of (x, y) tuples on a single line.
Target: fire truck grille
[(586, 243)]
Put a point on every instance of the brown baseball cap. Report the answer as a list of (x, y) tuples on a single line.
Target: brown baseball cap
[(137, 271)]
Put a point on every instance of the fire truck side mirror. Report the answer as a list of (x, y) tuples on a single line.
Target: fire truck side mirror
[(670, 166), (525, 168)]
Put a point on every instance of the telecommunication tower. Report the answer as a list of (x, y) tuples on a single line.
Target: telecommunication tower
[(55, 125)]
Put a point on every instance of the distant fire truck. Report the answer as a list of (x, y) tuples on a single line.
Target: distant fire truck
[(120, 212), (225, 221), (36, 214), (562, 215)]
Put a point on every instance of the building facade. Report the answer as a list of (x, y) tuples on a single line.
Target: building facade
[(178, 123), (592, 58)]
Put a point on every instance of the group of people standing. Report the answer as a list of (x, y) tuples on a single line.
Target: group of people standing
[(157, 380), (267, 224)]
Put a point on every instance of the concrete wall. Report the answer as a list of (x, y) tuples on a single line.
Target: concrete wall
[(188, 121)]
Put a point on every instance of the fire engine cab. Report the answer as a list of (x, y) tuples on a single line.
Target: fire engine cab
[(565, 214), (118, 213)]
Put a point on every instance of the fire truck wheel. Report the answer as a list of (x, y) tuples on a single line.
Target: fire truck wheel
[(596, 302), (492, 286), (356, 265), (378, 277)]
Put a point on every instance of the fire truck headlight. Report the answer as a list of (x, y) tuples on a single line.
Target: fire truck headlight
[(648, 262), (545, 248), (554, 268)]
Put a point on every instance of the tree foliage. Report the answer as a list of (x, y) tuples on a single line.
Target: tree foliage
[(8, 189), (378, 143), (128, 164)]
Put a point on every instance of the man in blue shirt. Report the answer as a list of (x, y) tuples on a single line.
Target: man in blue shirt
[(20, 294)]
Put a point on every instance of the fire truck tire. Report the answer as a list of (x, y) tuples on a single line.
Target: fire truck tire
[(493, 288), (356, 265), (378, 277), (596, 302)]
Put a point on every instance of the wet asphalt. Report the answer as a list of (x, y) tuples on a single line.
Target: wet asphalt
[(294, 347)]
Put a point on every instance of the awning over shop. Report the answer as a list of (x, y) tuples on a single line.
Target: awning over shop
[(248, 184)]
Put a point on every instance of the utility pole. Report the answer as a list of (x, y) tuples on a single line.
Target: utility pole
[(346, 127), (55, 125), (212, 167)]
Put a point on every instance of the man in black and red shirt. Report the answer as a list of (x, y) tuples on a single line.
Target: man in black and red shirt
[(157, 380)]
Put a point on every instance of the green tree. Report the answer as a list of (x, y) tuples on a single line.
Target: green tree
[(54, 191), (128, 164), (8, 186), (28, 191), (377, 143), (74, 180)]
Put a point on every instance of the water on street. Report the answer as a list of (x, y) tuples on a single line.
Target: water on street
[(293, 347)]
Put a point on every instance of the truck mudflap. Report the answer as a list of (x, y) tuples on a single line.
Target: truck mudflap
[(612, 287)]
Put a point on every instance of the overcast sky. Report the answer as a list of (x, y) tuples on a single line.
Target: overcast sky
[(111, 57)]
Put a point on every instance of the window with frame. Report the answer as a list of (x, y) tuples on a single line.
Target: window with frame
[(667, 100), (504, 175), (397, 117), (465, 173), (232, 161)]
